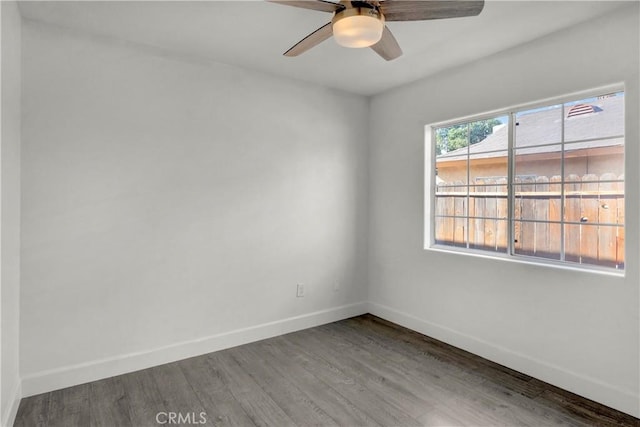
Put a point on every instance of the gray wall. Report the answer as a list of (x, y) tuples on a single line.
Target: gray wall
[(578, 330), (10, 211), (166, 202)]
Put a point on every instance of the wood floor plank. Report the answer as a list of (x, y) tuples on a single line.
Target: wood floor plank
[(496, 380), (342, 380), (258, 405), (144, 397), (459, 363), (289, 366), (357, 396), (33, 411), (109, 405), (177, 394), (478, 399), (221, 407), (477, 407), (416, 348), (377, 377), (69, 407), (425, 382), (591, 412), (296, 404)]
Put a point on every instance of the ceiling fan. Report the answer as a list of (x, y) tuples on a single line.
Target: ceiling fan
[(362, 23)]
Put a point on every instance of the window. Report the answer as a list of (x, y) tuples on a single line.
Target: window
[(543, 183)]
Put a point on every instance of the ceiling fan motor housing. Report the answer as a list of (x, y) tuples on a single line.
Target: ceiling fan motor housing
[(358, 26)]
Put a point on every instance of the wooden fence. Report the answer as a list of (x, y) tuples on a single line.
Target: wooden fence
[(593, 217)]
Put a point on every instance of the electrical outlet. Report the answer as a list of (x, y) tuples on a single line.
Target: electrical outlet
[(300, 290)]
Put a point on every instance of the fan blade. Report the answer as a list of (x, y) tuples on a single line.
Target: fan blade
[(321, 5), (403, 10), (387, 47), (313, 39)]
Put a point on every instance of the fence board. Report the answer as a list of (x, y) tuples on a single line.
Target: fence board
[(607, 213), (528, 212), (555, 214), (517, 215), (572, 213), (502, 211), (589, 216), (439, 232), (541, 213), (490, 212), (620, 237), (458, 235), (476, 226), (460, 212)]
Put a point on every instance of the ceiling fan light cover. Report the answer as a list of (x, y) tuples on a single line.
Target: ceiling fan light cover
[(361, 30)]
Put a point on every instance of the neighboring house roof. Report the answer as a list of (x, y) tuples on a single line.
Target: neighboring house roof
[(601, 118)]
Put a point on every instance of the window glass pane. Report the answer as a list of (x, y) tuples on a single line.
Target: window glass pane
[(539, 126), (450, 205), (451, 171), (595, 245), (592, 118), (567, 183), (452, 141), (611, 203), (539, 161), (539, 239), (593, 202), (487, 166), (488, 234), (489, 200), (488, 135), (450, 231), (538, 199), (596, 157), (451, 188), (451, 185)]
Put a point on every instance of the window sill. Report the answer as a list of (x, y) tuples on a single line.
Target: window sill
[(521, 259)]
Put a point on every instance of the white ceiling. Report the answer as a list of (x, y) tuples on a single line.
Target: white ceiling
[(254, 34)]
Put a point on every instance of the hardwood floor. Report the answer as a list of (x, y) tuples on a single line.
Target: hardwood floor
[(362, 371)]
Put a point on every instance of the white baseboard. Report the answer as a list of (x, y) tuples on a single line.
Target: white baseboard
[(44, 381), (9, 418), (623, 400)]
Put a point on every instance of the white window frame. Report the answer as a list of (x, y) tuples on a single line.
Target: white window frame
[(508, 255)]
